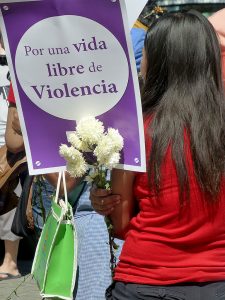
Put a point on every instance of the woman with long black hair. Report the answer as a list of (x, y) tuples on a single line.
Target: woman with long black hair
[(175, 242)]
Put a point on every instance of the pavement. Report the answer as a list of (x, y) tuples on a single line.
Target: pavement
[(24, 288)]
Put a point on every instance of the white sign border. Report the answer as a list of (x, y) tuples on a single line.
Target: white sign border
[(142, 167)]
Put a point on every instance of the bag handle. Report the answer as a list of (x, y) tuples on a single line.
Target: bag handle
[(61, 176), (65, 189)]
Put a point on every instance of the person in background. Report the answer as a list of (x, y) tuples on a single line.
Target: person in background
[(175, 240), (218, 22), (9, 268), (138, 37), (13, 136), (150, 12)]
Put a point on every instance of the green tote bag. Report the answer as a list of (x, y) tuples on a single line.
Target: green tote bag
[(55, 262)]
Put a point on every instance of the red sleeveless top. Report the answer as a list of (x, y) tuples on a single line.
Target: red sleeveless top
[(168, 245)]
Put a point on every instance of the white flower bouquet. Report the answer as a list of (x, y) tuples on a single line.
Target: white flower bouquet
[(94, 149)]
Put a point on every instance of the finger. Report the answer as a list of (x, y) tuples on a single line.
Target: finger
[(103, 207), (109, 201), (100, 192), (104, 212)]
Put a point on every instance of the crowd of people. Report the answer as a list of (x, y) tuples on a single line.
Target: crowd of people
[(169, 221)]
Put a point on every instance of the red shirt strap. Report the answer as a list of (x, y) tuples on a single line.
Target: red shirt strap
[(11, 97)]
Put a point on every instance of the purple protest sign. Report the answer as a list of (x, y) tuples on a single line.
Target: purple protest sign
[(70, 59)]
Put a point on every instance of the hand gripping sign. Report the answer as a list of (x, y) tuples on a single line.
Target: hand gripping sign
[(70, 59)]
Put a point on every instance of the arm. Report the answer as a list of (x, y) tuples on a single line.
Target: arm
[(14, 143), (13, 136), (119, 203), (29, 212), (71, 182), (122, 184)]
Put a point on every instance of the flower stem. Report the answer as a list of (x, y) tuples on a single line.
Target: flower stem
[(112, 245)]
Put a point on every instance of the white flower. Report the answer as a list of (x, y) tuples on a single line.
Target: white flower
[(74, 140), (103, 149), (76, 164), (77, 169), (113, 160), (108, 148), (93, 173), (90, 137), (110, 161), (116, 139), (90, 130), (89, 179), (65, 151), (77, 143)]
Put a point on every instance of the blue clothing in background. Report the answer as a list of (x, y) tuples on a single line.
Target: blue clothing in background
[(138, 38), (94, 274), (41, 202)]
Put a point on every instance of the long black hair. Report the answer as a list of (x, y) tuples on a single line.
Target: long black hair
[(183, 91)]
